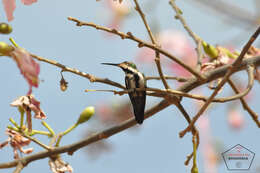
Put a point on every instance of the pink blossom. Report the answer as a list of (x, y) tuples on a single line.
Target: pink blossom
[(176, 43), (223, 58), (103, 112), (235, 119), (29, 68), (9, 7), (29, 103), (119, 11), (17, 141), (116, 113), (28, 2)]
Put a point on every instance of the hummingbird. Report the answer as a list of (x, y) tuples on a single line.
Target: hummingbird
[(134, 79)]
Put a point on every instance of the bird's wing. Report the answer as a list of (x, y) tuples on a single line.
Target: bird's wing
[(137, 99)]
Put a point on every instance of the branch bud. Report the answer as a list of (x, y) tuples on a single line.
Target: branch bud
[(210, 50), (86, 114), (5, 48), (5, 28)]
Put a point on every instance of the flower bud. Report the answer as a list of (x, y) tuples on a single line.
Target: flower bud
[(86, 114), (5, 48), (210, 50), (5, 28), (195, 169)]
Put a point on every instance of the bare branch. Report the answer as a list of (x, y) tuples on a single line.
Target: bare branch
[(188, 86), (195, 37), (232, 69), (91, 139), (245, 105), (157, 54), (19, 167), (179, 79), (77, 72), (140, 42)]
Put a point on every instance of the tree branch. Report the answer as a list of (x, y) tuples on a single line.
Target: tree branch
[(195, 37), (140, 42), (91, 139), (188, 86), (232, 69), (91, 78), (157, 54), (245, 105)]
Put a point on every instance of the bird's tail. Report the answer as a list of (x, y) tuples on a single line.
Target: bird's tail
[(139, 116)]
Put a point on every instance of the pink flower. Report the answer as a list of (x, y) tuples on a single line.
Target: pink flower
[(28, 2), (176, 43), (29, 103), (119, 11), (223, 58), (9, 7), (17, 141), (116, 113), (235, 119), (29, 68)]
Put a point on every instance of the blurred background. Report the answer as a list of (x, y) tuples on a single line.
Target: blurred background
[(43, 29)]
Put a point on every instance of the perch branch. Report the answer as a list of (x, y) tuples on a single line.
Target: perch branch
[(188, 86), (77, 72), (179, 79)]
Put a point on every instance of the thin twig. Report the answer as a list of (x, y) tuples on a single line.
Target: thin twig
[(195, 132), (164, 93), (139, 10), (140, 42), (107, 81), (232, 69), (195, 37), (245, 105), (36, 141), (19, 167), (179, 79), (188, 86), (91, 139), (157, 54), (64, 68), (194, 168), (250, 71)]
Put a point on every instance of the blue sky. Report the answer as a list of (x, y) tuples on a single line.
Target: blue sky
[(43, 29)]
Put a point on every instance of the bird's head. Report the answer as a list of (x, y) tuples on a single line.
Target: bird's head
[(126, 66)]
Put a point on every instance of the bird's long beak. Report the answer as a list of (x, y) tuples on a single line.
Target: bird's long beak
[(111, 64)]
